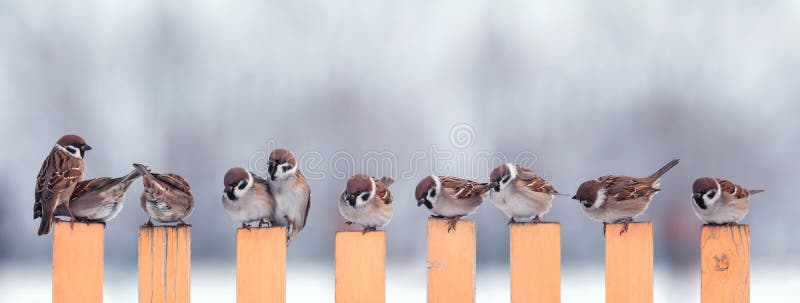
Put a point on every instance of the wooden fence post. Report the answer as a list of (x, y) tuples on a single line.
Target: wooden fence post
[(451, 262), (164, 264), (536, 262), (261, 265), (725, 263), (629, 263), (360, 266), (77, 262)]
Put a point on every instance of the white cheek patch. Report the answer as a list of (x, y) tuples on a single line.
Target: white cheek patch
[(717, 195), (601, 198), (76, 153), (286, 173), (372, 191), (240, 192)]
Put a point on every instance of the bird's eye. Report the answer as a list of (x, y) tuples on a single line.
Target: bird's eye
[(711, 194), (433, 192), (365, 196), (287, 168), (505, 179)]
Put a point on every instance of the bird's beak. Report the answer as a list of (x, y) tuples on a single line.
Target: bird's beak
[(696, 195), (575, 197), (272, 168), (87, 147), (351, 200), (495, 186), (228, 189), (420, 202)]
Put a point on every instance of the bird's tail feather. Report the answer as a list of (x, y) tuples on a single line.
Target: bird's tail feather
[(756, 191), (664, 169), (47, 219)]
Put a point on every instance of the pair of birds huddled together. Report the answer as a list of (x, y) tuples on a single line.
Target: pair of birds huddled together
[(60, 190), (525, 196)]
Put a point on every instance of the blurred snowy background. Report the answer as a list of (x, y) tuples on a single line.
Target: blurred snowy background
[(589, 88)]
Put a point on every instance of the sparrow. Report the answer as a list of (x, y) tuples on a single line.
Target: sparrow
[(291, 192), (166, 198), (450, 197), (618, 199), (98, 200), (247, 198), (520, 193), (60, 172), (718, 201), (367, 201)]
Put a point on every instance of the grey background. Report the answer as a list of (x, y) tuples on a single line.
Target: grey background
[(588, 88)]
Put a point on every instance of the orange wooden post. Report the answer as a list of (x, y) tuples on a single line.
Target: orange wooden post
[(164, 263), (77, 262), (360, 266), (261, 265), (725, 264), (535, 262), (629, 263), (451, 262)]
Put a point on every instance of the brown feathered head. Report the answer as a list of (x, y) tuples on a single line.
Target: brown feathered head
[(427, 191), (590, 194), (237, 182), (705, 191), (282, 164), (73, 145), (360, 189)]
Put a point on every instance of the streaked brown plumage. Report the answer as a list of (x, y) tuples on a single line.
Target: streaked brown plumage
[(166, 198), (367, 201), (450, 197), (98, 200), (291, 192), (60, 172), (618, 199), (520, 193), (719, 201), (247, 198)]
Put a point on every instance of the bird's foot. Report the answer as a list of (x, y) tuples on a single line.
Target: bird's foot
[(536, 219), (625, 222), (246, 226), (149, 222), (511, 221), (262, 223), (451, 223), (368, 229), (183, 223), (348, 223)]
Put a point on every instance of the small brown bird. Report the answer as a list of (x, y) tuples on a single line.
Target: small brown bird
[(520, 193), (166, 198), (98, 200), (291, 192), (60, 172), (367, 201), (247, 198), (450, 197), (618, 199), (718, 201)]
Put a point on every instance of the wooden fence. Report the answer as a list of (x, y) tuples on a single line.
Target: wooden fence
[(535, 259)]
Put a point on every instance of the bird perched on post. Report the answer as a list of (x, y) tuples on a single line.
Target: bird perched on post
[(618, 199), (247, 198), (719, 201), (520, 193), (367, 201), (166, 198), (60, 172), (291, 192), (98, 200), (450, 197)]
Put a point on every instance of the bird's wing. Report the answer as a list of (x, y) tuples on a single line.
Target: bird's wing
[(732, 189), (175, 181), (623, 188), (463, 189), (382, 190), (529, 180)]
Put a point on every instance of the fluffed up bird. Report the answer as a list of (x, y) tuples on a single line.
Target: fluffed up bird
[(98, 200), (291, 192), (60, 172), (247, 198), (367, 201), (166, 198), (618, 199), (450, 197), (719, 201), (520, 193)]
